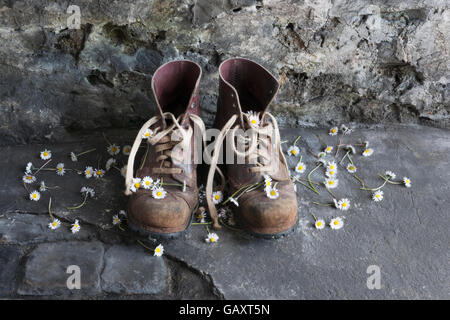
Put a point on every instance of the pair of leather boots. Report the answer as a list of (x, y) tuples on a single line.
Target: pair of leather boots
[(164, 192)]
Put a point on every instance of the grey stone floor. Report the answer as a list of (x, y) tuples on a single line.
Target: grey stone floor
[(406, 235)]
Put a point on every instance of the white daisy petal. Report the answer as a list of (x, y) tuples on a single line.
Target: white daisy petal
[(407, 182), (320, 224), (377, 196), (35, 195), (159, 250), (217, 197), (159, 193), (46, 154), (212, 237), (336, 223), (333, 131), (113, 149)]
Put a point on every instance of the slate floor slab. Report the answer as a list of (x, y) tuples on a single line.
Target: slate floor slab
[(406, 235)]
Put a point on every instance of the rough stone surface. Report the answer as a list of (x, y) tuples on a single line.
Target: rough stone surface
[(9, 263), (406, 234), (141, 274), (362, 61), (46, 268)]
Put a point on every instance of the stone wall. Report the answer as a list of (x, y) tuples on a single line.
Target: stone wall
[(339, 60)]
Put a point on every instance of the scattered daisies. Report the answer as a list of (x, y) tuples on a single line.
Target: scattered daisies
[(159, 193), (147, 182), (331, 183), (343, 204), (377, 196), (159, 250), (35, 195), (28, 178), (212, 237), (147, 133), (367, 152), (99, 173), (328, 149), (293, 151), (407, 182), (60, 170), (46, 154), (272, 193), (55, 224), (217, 197), (320, 224), (336, 223), (351, 168), (333, 131), (135, 184), (88, 172), (75, 226), (300, 167), (113, 149)]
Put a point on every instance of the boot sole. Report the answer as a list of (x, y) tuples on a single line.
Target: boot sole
[(164, 236), (271, 236)]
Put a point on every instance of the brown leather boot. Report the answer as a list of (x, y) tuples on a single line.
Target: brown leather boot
[(264, 199), (164, 191)]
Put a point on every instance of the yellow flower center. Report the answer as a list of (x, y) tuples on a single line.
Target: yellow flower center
[(253, 121), (217, 197), (137, 185), (328, 149), (331, 182), (159, 193), (29, 177), (344, 204), (34, 195), (213, 239), (54, 224), (147, 134), (273, 193), (99, 172), (45, 154), (158, 250), (319, 224), (300, 167), (268, 183), (88, 172), (293, 151), (332, 167), (333, 130), (60, 168), (352, 167), (336, 222), (331, 173), (367, 151), (127, 150), (378, 195)]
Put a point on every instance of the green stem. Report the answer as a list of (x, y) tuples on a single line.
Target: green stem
[(314, 216), (359, 179), (84, 152), (296, 140), (82, 204), (142, 244), (323, 204), (389, 181), (332, 194), (201, 223), (340, 162), (315, 190), (50, 208), (42, 167), (374, 189), (320, 138), (350, 159), (106, 139), (309, 177)]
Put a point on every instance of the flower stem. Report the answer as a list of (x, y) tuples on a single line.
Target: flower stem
[(323, 204), (84, 152), (142, 244), (314, 216), (309, 177), (82, 204), (389, 181), (201, 223), (296, 140), (309, 187), (320, 138), (43, 166), (50, 208), (332, 194), (346, 155), (374, 189), (106, 139), (359, 179)]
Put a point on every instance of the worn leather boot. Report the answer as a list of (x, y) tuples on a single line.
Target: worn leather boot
[(267, 203), (164, 191)]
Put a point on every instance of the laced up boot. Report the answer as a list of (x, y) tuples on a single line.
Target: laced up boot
[(261, 192), (163, 190)]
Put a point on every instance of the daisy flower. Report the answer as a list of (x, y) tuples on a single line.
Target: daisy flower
[(331, 166), (300, 167), (407, 182), (115, 219), (217, 197), (99, 173), (234, 201), (336, 223), (126, 150), (377, 196), (321, 155), (272, 193), (159, 193), (320, 224), (147, 182), (333, 131), (35, 195), (201, 216), (46, 154), (368, 152), (390, 175), (113, 149), (28, 178), (60, 170), (267, 181), (344, 204), (88, 190), (212, 237), (110, 163), (73, 157), (135, 184), (159, 250), (88, 172), (331, 183), (55, 224), (28, 168), (123, 171), (293, 151), (222, 213), (122, 213), (351, 168), (75, 226), (42, 187), (331, 173), (147, 134), (328, 149), (253, 119)]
